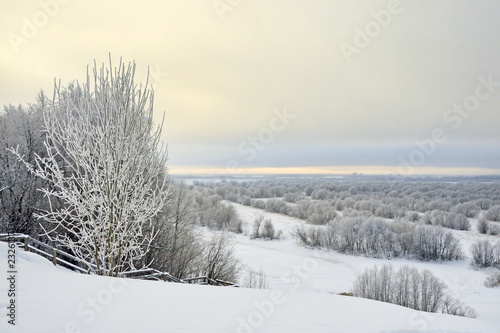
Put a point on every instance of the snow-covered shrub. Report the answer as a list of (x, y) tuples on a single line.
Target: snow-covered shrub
[(437, 217), (469, 209), (455, 307), (493, 280), (221, 217), (433, 243), (409, 287), (321, 213), (255, 279), (493, 213), (316, 237), (276, 206), (485, 254), (256, 226), (246, 200), (457, 221), (293, 197), (264, 228), (387, 211), (268, 230), (380, 239), (177, 246), (375, 283), (319, 194), (258, 204), (412, 216), (493, 228), (484, 203), (483, 225), (301, 209), (219, 261)]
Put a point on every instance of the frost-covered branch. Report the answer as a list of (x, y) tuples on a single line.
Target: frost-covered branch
[(106, 165)]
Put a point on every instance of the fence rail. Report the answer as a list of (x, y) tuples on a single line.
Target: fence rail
[(59, 257)]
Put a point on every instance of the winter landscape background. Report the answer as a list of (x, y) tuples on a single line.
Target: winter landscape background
[(249, 166)]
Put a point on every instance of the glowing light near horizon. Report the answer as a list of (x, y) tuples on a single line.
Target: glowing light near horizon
[(369, 170)]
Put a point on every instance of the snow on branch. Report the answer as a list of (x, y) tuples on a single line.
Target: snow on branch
[(106, 168)]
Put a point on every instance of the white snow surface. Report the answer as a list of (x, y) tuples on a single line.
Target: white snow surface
[(301, 298)]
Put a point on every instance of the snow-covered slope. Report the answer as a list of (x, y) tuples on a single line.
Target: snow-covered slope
[(51, 299), (292, 267)]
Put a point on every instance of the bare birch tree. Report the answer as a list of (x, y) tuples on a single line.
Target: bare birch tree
[(106, 164)]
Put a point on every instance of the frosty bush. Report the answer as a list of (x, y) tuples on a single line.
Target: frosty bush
[(268, 230), (493, 280), (246, 200), (469, 209), (493, 213), (409, 287), (293, 197), (457, 221), (455, 307), (255, 279), (177, 248), (493, 228), (377, 238), (412, 216), (485, 254), (433, 243), (221, 217), (387, 211), (482, 225), (321, 213), (301, 209), (276, 206), (258, 204), (219, 261), (264, 228)]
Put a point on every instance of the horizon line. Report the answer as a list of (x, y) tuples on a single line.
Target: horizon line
[(334, 170)]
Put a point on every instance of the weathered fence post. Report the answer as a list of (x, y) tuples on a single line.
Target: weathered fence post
[(54, 256), (26, 244)]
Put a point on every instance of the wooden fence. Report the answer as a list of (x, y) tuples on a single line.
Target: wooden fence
[(59, 257)]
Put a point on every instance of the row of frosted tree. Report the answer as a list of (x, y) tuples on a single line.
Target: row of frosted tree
[(446, 204), (411, 288)]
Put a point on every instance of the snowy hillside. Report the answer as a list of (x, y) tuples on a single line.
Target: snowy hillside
[(291, 267), (52, 299)]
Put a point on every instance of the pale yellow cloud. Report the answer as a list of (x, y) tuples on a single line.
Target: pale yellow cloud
[(226, 76)]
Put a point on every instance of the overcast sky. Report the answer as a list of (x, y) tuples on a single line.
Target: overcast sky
[(257, 85)]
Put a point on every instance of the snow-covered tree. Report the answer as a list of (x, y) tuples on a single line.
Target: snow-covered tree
[(409, 287), (105, 163), (493, 213), (19, 199), (219, 261), (177, 247)]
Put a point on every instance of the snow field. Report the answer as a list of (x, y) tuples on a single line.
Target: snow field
[(289, 266)]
